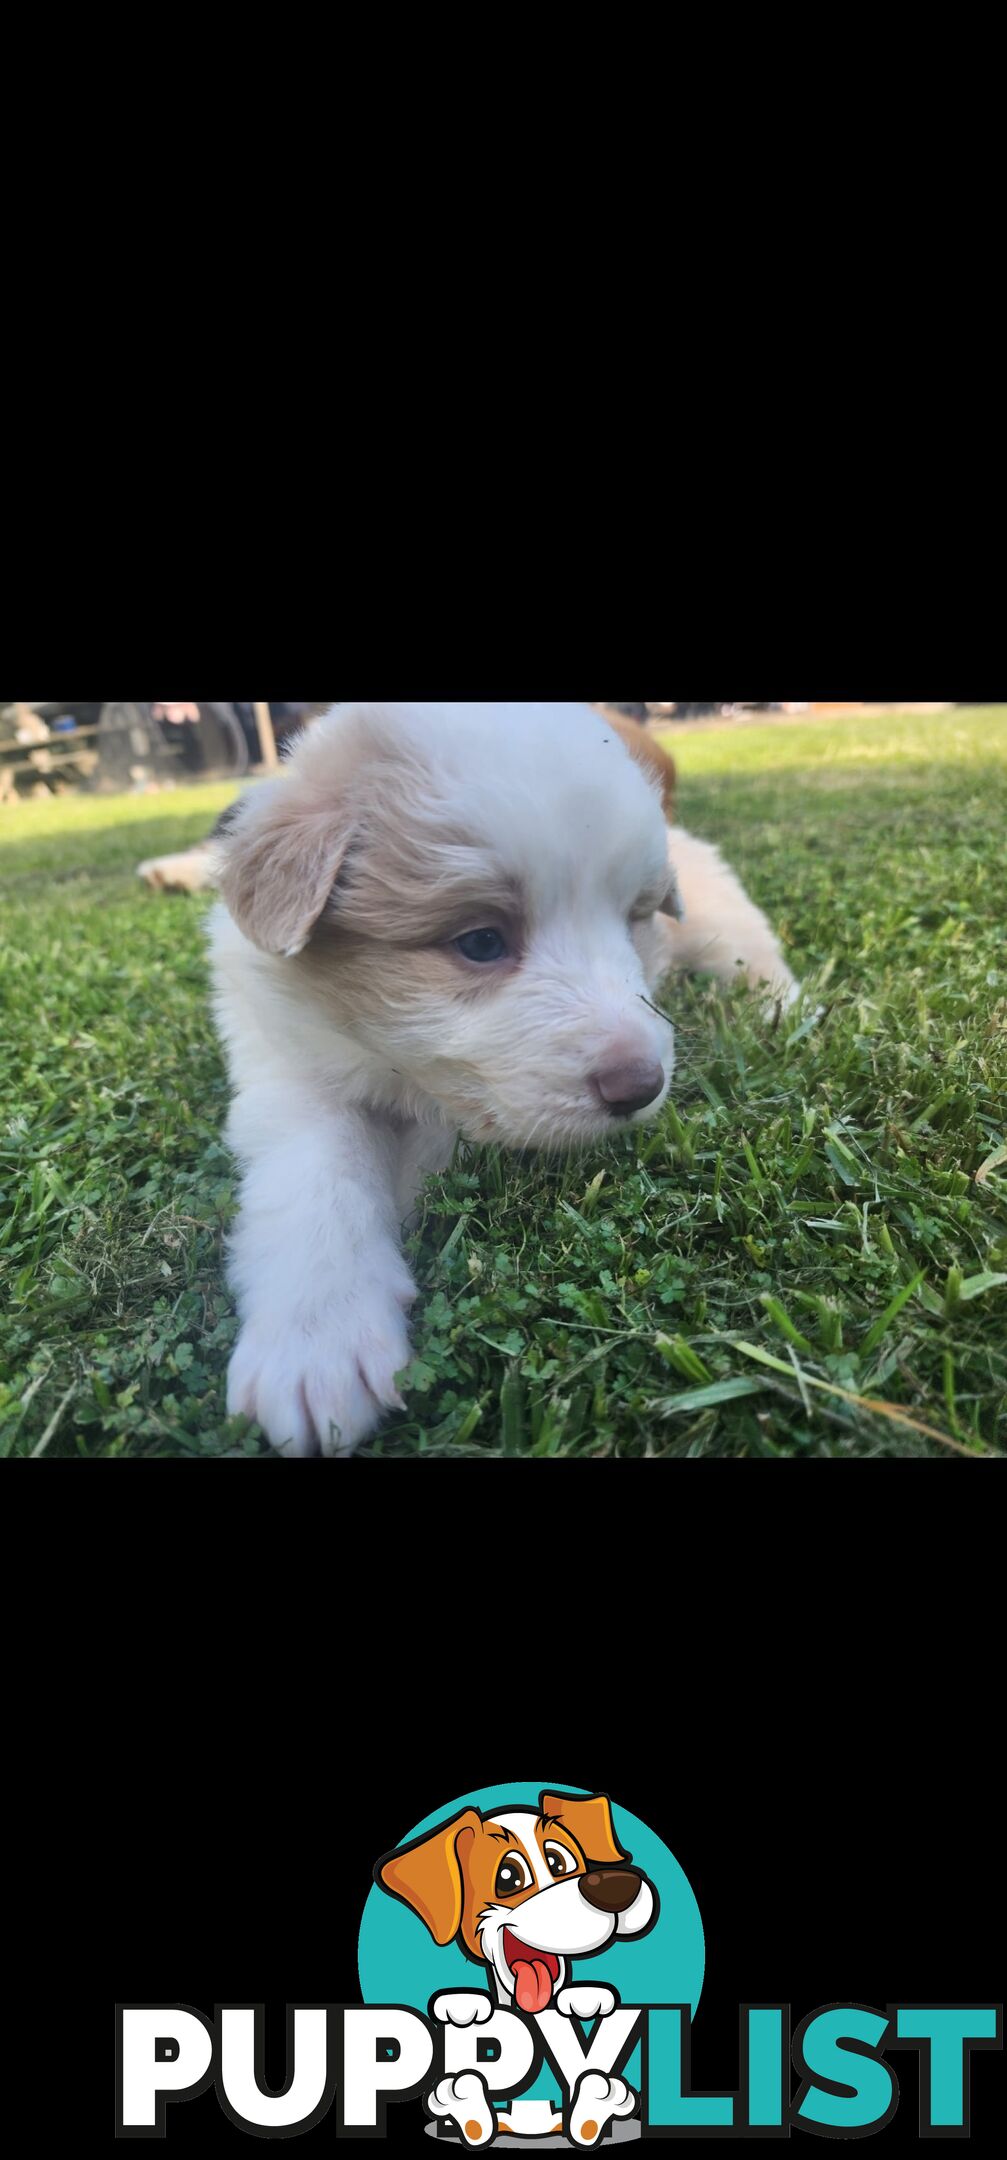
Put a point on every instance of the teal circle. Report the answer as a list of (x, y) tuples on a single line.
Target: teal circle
[(399, 1962)]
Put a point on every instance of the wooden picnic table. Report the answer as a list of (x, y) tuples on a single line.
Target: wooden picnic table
[(59, 748)]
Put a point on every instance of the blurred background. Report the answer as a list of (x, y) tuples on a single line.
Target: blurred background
[(57, 749)]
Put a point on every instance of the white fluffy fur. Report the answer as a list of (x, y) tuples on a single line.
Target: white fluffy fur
[(346, 1097)]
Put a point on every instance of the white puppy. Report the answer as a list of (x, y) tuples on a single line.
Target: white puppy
[(441, 919)]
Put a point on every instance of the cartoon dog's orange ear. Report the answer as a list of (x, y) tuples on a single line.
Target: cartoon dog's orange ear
[(589, 1821), (429, 1875)]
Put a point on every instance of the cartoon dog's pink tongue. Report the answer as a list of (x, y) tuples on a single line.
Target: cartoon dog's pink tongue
[(532, 1985), (535, 1972)]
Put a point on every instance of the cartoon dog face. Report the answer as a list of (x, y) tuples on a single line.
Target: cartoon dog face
[(524, 1891)]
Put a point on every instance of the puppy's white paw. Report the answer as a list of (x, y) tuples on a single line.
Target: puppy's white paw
[(596, 2100), (177, 873), (781, 995), (322, 1387), (469, 2008), (586, 2002), (464, 2099)]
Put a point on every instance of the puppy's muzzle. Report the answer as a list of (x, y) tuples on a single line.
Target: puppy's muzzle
[(610, 1890), (625, 1088)]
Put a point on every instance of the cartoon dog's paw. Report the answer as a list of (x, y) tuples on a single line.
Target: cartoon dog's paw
[(464, 2099), (470, 2008), (596, 2100), (323, 1390), (586, 2002)]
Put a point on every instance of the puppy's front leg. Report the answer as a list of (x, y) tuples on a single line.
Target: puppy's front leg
[(315, 1261), (722, 932)]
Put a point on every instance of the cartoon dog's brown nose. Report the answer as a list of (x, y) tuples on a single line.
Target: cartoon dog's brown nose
[(610, 1889), (625, 1088)]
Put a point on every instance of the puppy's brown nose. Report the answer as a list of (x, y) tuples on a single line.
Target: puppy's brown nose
[(610, 1889), (625, 1088)]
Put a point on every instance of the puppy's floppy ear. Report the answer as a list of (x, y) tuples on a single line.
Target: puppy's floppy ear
[(429, 1877), (280, 862), (590, 1822)]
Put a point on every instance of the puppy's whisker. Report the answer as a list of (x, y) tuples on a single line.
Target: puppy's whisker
[(655, 1009)]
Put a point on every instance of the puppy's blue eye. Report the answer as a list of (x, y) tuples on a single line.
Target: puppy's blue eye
[(482, 946)]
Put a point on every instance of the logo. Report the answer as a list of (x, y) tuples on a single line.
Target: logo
[(531, 1960)]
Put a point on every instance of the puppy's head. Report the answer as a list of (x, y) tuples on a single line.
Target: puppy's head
[(472, 893), (524, 1890)]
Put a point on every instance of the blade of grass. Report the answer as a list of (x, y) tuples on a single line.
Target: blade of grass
[(872, 1403), (706, 1398), (891, 1312)]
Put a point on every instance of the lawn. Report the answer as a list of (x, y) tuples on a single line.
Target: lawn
[(807, 1256)]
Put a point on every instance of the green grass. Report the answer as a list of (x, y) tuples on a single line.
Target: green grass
[(810, 1225)]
